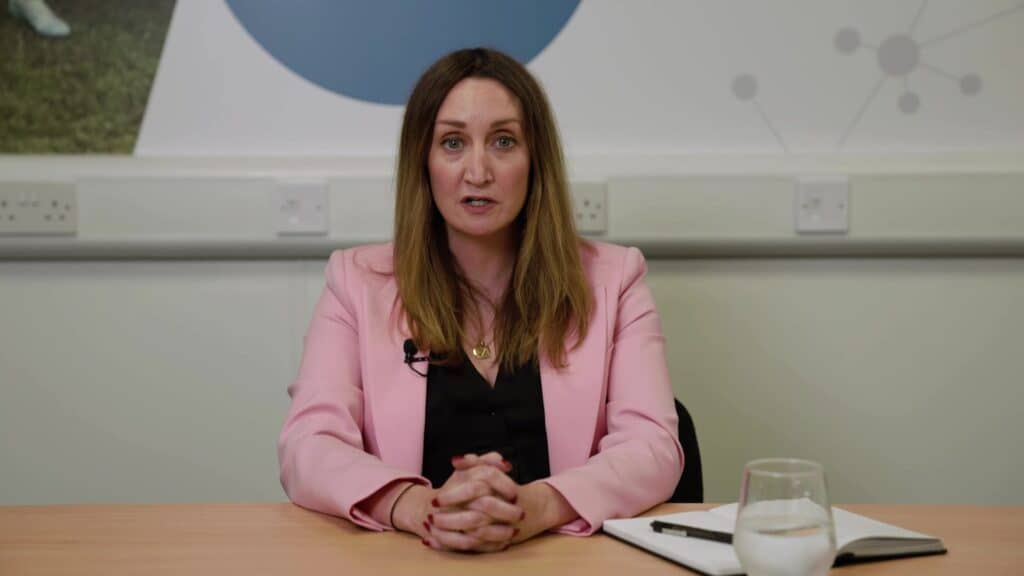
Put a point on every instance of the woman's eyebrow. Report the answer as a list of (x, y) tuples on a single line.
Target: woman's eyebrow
[(504, 121), (461, 124)]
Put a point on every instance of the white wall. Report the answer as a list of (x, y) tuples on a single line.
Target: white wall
[(902, 376), (145, 381)]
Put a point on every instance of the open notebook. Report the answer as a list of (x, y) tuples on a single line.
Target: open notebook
[(857, 538)]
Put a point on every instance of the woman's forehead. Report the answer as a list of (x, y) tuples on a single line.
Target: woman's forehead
[(479, 101)]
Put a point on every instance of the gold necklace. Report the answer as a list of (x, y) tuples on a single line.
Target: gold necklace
[(481, 351)]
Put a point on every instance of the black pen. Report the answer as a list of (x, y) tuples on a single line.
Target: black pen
[(690, 532)]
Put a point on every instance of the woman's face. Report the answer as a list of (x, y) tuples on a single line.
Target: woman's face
[(479, 164)]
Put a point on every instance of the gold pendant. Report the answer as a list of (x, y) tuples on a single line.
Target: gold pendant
[(481, 351)]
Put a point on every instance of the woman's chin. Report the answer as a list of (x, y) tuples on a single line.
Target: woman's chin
[(481, 233)]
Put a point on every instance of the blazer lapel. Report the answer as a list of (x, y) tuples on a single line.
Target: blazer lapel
[(397, 395), (573, 394)]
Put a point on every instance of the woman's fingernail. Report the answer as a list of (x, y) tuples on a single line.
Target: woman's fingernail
[(430, 518), (522, 516), (427, 526), (457, 459), (515, 498), (515, 532), (435, 503), (506, 463), (425, 543)]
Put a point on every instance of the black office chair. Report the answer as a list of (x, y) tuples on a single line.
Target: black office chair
[(691, 485)]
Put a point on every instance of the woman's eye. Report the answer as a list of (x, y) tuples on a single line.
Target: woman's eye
[(505, 141), (451, 143)]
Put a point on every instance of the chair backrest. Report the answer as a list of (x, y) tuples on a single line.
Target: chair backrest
[(691, 485)]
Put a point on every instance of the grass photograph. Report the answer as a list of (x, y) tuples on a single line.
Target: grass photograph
[(75, 75)]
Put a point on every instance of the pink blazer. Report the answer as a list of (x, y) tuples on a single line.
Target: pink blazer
[(357, 412)]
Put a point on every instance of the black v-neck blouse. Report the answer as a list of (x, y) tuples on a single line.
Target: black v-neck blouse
[(466, 415)]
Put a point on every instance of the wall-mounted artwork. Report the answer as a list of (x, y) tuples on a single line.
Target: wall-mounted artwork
[(75, 75), (655, 78)]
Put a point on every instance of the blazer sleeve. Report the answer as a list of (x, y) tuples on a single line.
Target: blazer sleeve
[(639, 461), (324, 465)]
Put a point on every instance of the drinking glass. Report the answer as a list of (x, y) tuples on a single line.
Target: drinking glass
[(784, 519)]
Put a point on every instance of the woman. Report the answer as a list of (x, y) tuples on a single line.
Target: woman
[(489, 375)]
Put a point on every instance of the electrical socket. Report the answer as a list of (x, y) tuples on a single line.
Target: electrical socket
[(38, 209), (822, 204), (301, 208), (590, 207)]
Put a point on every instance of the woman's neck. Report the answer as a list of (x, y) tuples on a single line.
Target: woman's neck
[(485, 262)]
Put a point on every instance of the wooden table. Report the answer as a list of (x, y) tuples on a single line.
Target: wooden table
[(284, 539)]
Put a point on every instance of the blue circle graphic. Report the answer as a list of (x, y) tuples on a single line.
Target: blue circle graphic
[(375, 50)]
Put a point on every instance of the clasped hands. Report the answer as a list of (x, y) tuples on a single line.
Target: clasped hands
[(479, 508)]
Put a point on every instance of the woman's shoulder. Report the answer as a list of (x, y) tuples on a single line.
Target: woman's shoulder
[(609, 264), (364, 263)]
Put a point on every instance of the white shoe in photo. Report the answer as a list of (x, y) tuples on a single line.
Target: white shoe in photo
[(39, 17)]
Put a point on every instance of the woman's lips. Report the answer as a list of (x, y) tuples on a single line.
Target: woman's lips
[(477, 204)]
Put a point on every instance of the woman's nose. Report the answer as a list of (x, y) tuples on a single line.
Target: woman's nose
[(478, 169)]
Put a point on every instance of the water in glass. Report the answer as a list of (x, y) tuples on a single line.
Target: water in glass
[(784, 523)]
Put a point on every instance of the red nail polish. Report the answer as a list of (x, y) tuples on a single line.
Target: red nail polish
[(506, 463), (457, 459), (522, 516), (515, 498), (515, 532), (430, 518), (426, 526), (425, 543), (435, 503)]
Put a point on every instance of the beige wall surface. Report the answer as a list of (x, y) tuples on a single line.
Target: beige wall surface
[(165, 381), (902, 376)]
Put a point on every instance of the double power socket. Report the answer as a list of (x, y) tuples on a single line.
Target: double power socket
[(38, 209)]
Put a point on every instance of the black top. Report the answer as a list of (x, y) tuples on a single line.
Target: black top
[(466, 415)]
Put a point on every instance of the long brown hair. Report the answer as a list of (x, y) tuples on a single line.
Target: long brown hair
[(548, 298)]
